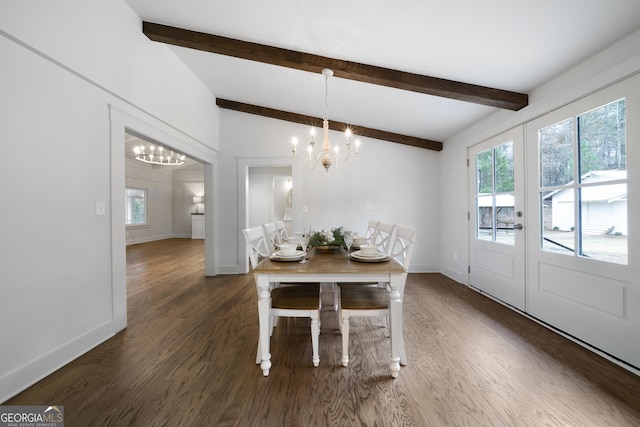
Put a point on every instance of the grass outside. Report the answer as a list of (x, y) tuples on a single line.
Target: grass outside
[(603, 247)]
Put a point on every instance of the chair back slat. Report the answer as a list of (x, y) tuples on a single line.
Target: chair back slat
[(383, 235), (282, 231), (272, 236), (402, 248), (371, 229)]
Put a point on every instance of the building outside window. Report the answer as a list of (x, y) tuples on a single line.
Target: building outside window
[(583, 184)]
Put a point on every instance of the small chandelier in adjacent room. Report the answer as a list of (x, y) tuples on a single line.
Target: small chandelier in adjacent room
[(158, 155), (328, 156)]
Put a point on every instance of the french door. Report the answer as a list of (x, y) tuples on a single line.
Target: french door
[(575, 225), (583, 195), (497, 218)]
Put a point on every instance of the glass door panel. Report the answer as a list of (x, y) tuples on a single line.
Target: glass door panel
[(497, 258), (495, 210)]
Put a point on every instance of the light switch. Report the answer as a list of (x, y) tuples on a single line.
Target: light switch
[(101, 208)]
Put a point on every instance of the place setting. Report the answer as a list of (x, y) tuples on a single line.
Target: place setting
[(294, 249), (369, 253), (358, 241), (288, 252)]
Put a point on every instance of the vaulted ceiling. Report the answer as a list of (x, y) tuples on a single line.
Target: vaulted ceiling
[(413, 72)]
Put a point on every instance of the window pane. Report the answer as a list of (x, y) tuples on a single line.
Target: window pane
[(135, 206), (558, 221), (484, 215), (604, 222), (503, 157), (603, 208), (495, 212), (505, 219), (601, 135), (556, 154), (594, 200), (484, 170)]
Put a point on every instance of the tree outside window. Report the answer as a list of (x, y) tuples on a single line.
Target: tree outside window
[(495, 194), (583, 184)]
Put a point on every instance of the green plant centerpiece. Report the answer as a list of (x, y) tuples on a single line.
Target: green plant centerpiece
[(327, 240)]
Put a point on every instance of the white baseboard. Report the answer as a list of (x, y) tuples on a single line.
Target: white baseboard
[(155, 238), (229, 269), (614, 360), (457, 275), (33, 371), (424, 268)]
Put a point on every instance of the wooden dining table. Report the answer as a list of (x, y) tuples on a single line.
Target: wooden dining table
[(330, 267)]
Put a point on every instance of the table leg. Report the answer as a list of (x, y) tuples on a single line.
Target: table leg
[(395, 319), (264, 308)]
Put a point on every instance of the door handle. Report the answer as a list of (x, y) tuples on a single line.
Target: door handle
[(518, 226)]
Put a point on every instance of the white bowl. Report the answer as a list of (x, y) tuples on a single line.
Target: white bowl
[(359, 241), (288, 249), (368, 249)]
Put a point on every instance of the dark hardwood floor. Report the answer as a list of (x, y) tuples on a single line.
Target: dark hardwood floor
[(187, 358)]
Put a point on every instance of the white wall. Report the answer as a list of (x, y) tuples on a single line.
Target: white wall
[(170, 194), (63, 64), (102, 42), (261, 203), (611, 65), (187, 183), (158, 183), (401, 184)]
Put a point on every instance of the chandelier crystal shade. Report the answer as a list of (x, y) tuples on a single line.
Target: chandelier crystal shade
[(327, 156), (158, 155)]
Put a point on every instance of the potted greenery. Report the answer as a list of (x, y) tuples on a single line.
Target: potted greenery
[(327, 240)]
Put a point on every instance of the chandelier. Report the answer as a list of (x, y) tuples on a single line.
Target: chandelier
[(327, 156), (158, 155)]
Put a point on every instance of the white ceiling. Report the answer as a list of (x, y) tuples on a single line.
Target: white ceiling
[(504, 44)]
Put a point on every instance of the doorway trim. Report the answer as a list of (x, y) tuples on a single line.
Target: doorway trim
[(120, 122), (243, 193)]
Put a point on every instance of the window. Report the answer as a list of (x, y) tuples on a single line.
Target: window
[(135, 205), (583, 184), (495, 194)]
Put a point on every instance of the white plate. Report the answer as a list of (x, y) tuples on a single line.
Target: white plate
[(383, 258), (277, 256), (359, 254), (287, 259)]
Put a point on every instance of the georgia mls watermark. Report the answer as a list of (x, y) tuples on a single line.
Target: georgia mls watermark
[(31, 416)]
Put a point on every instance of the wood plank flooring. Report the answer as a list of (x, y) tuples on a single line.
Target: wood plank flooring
[(187, 358)]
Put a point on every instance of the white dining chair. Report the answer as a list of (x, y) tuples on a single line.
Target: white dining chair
[(286, 301), (357, 300), (257, 247), (272, 235), (382, 235), (371, 229), (282, 231)]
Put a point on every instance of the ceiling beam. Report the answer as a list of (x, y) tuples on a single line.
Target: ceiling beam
[(338, 126), (345, 69)]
